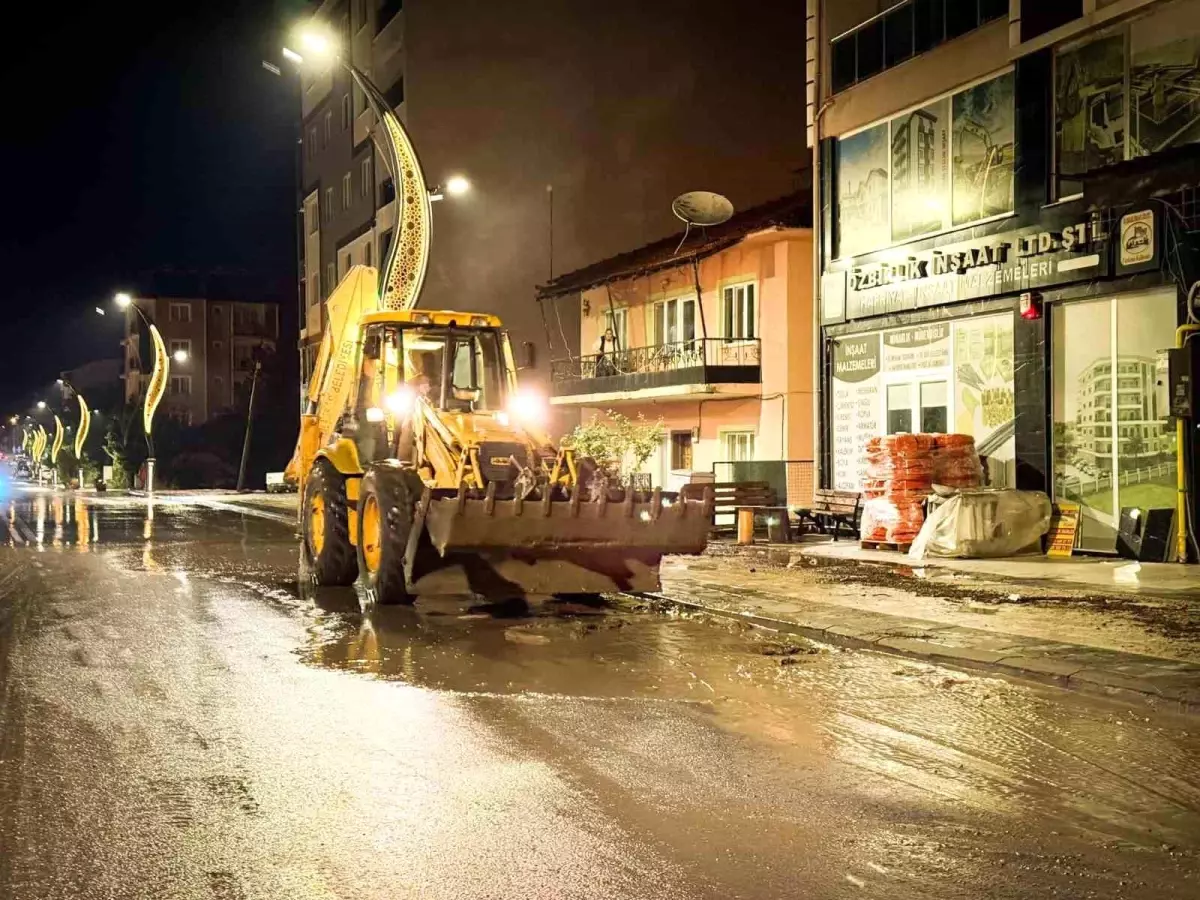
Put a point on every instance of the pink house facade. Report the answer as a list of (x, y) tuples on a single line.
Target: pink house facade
[(715, 340)]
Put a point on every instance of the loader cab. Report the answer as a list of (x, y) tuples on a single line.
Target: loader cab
[(446, 366)]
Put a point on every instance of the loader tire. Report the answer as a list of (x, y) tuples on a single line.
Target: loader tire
[(387, 507), (326, 529)]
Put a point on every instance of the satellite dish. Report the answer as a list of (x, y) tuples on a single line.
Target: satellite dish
[(702, 208)]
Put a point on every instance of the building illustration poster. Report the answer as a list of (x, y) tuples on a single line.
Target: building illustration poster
[(863, 192), (983, 141), (921, 170)]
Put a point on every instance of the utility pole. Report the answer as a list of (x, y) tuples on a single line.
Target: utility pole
[(241, 482)]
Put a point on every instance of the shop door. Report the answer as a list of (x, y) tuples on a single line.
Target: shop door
[(1113, 443)]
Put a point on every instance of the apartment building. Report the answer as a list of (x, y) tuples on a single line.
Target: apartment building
[(218, 339), (347, 197), (1008, 197), (713, 335)]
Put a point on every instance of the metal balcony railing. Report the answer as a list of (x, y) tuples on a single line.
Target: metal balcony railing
[(701, 359)]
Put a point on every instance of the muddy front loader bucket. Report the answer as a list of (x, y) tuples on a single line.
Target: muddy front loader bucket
[(506, 548)]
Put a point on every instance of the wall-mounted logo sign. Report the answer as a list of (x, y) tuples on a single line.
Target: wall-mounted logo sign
[(998, 265), (1137, 242)]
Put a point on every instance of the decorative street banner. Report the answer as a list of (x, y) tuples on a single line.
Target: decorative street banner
[(158, 379), (39, 444), (856, 408), (85, 423), (58, 439)]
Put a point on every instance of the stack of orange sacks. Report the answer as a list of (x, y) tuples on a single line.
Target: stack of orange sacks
[(900, 471)]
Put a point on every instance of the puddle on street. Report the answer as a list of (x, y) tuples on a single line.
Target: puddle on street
[(988, 744)]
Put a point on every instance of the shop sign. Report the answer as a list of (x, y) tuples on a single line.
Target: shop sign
[(1137, 241), (918, 347), (855, 407), (1003, 264)]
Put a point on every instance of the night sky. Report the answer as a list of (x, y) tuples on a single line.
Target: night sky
[(167, 148)]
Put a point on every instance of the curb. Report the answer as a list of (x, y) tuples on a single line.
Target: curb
[(1109, 683)]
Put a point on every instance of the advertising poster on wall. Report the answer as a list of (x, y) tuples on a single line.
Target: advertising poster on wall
[(1164, 79), (855, 407), (1089, 96), (983, 143), (916, 348), (863, 192), (921, 171), (983, 391)]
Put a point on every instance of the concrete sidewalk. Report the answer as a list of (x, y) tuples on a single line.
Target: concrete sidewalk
[(1131, 647)]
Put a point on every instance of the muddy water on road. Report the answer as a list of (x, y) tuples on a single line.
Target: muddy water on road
[(454, 745)]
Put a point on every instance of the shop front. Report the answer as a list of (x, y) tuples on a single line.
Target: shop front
[(1048, 344)]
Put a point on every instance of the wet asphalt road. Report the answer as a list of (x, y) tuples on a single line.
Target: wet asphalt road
[(178, 719)]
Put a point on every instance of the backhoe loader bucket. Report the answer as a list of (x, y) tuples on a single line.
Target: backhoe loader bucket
[(541, 545)]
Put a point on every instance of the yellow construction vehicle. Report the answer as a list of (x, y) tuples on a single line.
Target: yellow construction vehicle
[(423, 466)]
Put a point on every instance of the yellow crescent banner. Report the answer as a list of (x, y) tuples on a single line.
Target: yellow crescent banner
[(58, 439), (25, 441), (39, 444), (85, 422), (158, 379)]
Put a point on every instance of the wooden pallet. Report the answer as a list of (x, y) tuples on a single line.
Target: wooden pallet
[(885, 545)]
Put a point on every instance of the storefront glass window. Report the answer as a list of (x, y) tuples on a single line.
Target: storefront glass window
[(1109, 455), (933, 407), (899, 408)]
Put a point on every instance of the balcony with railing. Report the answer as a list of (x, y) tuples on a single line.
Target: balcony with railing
[(687, 367)]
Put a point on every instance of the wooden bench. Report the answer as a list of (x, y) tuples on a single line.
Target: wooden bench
[(833, 511), (729, 496)]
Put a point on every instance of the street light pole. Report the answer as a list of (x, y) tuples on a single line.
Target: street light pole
[(157, 385)]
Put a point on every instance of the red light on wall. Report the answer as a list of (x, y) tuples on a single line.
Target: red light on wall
[(1031, 306)]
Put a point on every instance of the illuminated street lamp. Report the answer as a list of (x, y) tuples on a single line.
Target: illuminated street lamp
[(401, 275), (457, 185), (180, 355), (158, 379), (41, 404)]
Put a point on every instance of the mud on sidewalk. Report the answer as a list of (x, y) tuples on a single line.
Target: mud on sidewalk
[(1138, 644)]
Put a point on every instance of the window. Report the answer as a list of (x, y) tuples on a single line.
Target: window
[(899, 408), (345, 111), (395, 94), (311, 149), (681, 451), (385, 244), (737, 446), (674, 320), (345, 267), (179, 312), (347, 192), (181, 386), (933, 407), (364, 189), (180, 346), (738, 312), (360, 13), (367, 254), (329, 204), (328, 132), (310, 216), (330, 277), (905, 30), (314, 284)]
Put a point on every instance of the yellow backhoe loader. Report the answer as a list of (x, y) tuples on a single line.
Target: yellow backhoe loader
[(425, 469)]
